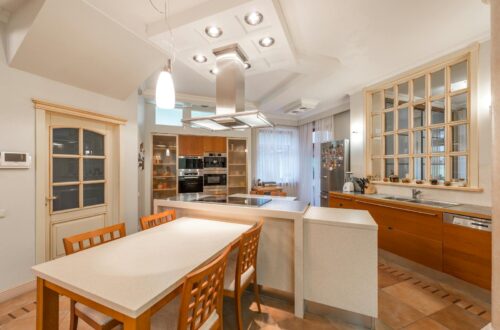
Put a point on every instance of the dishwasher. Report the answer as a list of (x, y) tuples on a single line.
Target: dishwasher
[(467, 248)]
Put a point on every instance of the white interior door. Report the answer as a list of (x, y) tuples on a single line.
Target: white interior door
[(80, 194)]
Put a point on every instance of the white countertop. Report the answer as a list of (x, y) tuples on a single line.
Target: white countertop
[(285, 198), (131, 274), (341, 217)]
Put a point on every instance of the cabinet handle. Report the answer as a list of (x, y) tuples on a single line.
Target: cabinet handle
[(341, 197), (399, 208), (341, 204), (390, 228)]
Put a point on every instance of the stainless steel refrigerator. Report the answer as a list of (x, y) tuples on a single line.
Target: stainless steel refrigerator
[(334, 165)]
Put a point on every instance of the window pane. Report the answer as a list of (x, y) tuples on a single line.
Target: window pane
[(389, 98), (459, 136), (419, 168), (389, 167), (419, 115), (377, 146), (376, 125), (65, 141), (403, 95), (437, 83), (437, 111), (65, 170), (438, 139), (459, 107), (403, 147), (197, 113), (377, 102), (93, 169), (403, 168), (93, 194), (170, 117), (389, 121), (459, 168), (419, 142), (66, 197), (376, 169), (458, 76), (389, 144), (403, 118), (93, 143), (419, 89), (437, 168)]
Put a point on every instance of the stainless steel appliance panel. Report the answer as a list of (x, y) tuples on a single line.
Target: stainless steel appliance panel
[(190, 163), (334, 165)]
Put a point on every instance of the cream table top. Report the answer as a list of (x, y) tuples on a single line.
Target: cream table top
[(131, 274)]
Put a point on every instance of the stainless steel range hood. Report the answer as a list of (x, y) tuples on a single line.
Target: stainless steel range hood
[(230, 95)]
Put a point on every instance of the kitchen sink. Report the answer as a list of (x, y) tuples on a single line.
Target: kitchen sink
[(421, 201), (396, 198)]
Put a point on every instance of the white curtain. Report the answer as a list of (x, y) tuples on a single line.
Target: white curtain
[(306, 162), (323, 132), (278, 157)]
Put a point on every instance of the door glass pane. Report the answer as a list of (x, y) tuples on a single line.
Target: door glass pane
[(419, 89), (419, 168), (419, 142), (93, 194), (389, 98), (65, 170), (437, 83), (403, 147), (377, 102), (377, 146), (437, 168), (93, 169), (403, 118), (437, 139), (389, 144), (459, 168), (93, 143), (459, 107), (389, 121), (403, 168), (376, 125), (437, 111), (65, 141), (458, 76), (403, 95), (389, 167), (459, 136), (66, 197), (419, 115)]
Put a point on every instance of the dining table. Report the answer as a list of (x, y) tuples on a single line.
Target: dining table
[(131, 278)]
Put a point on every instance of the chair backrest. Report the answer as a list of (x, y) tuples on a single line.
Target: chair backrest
[(93, 238), (253, 192), (154, 220), (260, 192), (202, 295), (248, 248)]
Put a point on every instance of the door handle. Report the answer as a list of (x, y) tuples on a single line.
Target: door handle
[(50, 198)]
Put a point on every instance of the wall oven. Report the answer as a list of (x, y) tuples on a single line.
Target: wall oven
[(215, 181), (190, 181), (213, 160), (190, 163)]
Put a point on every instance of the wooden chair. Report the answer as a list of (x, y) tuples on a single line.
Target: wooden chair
[(260, 192), (154, 220), (199, 306), (253, 192), (279, 193), (85, 241), (242, 270)]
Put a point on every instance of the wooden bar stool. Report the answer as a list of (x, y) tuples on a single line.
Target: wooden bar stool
[(154, 220), (199, 306), (279, 193), (84, 241), (242, 270)]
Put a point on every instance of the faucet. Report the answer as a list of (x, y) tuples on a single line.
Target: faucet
[(415, 193)]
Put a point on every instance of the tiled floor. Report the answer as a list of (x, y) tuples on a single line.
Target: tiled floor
[(406, 301)]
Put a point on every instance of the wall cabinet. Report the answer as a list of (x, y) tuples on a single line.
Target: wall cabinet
[(191, 145), (237, 166), (215, 144)]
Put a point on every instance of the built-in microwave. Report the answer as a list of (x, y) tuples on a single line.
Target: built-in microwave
[(190, 163), (213, 160)]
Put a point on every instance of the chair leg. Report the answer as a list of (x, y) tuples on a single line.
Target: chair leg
[(73, 319), (256, 292), (237, 300)]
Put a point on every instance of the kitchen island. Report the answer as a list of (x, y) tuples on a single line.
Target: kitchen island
[(281, 250)]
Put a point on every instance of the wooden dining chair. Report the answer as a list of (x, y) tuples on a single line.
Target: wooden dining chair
[(84, 241), (279, 193), (157, 219), (242, 270), (199, 306), (253, 192), (260, 192)]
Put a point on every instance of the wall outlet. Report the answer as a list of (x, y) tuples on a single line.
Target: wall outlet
[(2, 213)]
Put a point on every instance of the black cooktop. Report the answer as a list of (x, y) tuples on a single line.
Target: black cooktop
[(234, 200)]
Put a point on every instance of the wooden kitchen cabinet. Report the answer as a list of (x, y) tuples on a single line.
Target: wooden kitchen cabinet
[(191, 145), (215, 144), (340, 200)]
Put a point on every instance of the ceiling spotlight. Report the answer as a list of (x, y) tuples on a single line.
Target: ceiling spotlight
[(213, 31), (214, 71), (247, 66), (200, 58), (266, 42), (254, 18)]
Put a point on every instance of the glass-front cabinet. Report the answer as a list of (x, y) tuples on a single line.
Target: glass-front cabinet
[(164, 173), (237, 166)]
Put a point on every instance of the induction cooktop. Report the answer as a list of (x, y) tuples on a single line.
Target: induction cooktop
[(234, 200)]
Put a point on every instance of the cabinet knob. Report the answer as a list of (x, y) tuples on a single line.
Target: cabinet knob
[(390, 228), (341, 204)]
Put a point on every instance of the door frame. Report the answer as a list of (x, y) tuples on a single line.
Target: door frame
[(42, 110)]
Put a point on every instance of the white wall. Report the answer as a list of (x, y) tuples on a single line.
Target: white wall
[(17, 187), (484, 129)]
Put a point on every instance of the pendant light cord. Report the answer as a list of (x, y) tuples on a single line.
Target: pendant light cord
[(166, 9)]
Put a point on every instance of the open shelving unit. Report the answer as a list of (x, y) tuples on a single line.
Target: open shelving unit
[(237, 169)]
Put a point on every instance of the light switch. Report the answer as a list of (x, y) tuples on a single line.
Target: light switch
[(2, 213)]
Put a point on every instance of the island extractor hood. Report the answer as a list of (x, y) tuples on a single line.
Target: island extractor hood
[(230, 95)]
